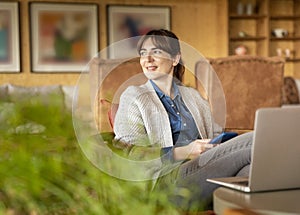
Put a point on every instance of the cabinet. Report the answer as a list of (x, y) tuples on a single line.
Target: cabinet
[(252, 24)]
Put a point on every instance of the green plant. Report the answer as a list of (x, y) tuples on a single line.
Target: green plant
[(45, 172)]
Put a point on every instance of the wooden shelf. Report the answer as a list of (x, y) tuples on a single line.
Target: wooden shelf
[(279, 17), (254, 16), (247, 38), (285, 38), (292, 60)]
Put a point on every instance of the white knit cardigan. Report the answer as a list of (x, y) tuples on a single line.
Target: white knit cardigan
[(141, 116)]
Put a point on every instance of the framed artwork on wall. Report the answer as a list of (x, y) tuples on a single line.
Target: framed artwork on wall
[(64, 37), (9, 37), (133, 21)]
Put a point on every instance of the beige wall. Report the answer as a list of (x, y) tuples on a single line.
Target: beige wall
[(200, 23)]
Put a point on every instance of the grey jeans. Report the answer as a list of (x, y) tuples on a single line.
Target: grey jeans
[(231, 158)]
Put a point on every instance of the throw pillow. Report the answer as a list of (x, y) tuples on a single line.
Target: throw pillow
[(290, 91)]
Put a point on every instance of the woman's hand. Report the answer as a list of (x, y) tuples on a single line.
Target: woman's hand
[(194, 149)]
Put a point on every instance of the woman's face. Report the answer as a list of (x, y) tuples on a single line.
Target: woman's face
[(155, 62)]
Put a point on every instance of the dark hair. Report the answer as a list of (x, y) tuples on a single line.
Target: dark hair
[(168, 42)]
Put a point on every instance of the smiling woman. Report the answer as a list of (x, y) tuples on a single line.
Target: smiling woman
[(165, 116)]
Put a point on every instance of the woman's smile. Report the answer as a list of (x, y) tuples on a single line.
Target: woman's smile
[(151, 68)]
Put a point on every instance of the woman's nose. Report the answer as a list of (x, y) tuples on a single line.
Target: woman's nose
[(150, 58)]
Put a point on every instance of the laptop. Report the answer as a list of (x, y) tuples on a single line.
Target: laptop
[(275, 153)]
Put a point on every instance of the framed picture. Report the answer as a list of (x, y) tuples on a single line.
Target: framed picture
[(64, 37), (9, 37), (132, 21)]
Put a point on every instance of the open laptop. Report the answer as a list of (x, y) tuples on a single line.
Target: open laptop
[(275, 153)]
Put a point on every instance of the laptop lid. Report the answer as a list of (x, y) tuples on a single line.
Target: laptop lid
[(275, 154), (276, 149)]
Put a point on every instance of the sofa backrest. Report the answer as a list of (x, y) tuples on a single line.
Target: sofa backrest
[(249, 83), (112, 77)]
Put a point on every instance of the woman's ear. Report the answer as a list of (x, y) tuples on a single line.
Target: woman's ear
[(176, 59)]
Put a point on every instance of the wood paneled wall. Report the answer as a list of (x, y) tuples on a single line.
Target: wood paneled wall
[(200, 23)]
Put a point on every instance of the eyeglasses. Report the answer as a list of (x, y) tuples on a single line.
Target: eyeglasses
[(156, 52)]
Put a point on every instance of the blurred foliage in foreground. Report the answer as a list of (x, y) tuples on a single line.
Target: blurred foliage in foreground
[(43, 171)]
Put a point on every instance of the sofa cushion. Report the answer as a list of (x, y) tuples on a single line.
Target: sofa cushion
[(44, 94), (112, 110)]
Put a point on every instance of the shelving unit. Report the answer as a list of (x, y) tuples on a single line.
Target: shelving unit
[(254, 25), (257, 27), (286, 14)]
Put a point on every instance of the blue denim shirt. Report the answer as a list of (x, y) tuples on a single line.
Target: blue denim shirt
[(183, 126)]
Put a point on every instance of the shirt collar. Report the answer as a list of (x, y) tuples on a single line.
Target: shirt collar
[(161, 94)]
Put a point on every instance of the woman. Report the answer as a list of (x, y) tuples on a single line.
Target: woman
[(176, 118)]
